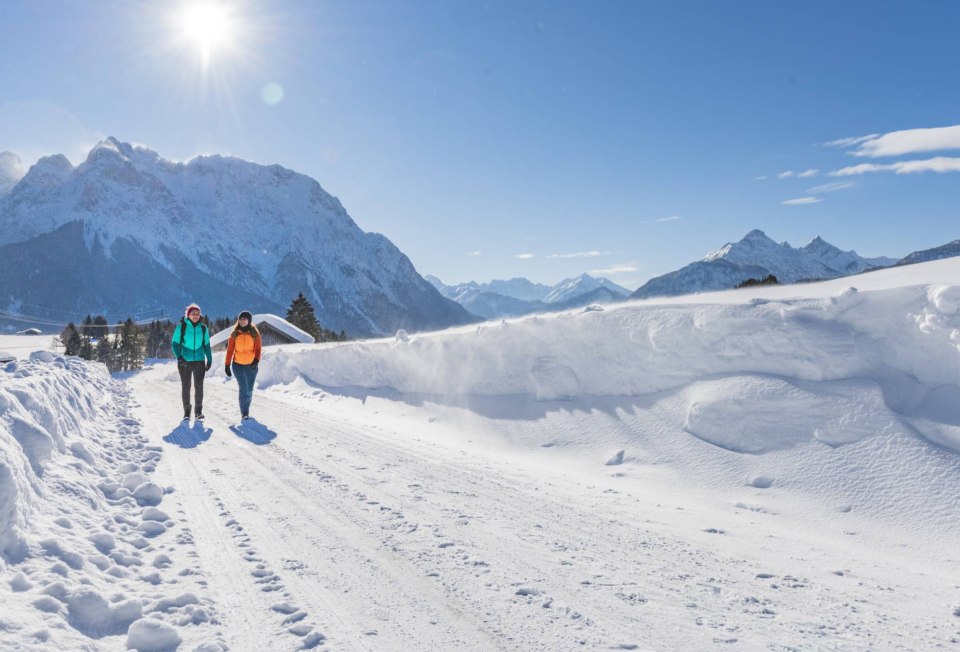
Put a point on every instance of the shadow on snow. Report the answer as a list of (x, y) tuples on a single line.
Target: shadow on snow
[(186, 436), (254, 432)]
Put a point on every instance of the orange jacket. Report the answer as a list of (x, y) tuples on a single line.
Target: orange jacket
[(243, 349)]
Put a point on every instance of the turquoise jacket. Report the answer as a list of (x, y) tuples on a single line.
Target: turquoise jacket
[(194, 346)]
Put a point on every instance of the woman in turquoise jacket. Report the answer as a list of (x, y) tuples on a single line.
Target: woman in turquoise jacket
[(191, 348)]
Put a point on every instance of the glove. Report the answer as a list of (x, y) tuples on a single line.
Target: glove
[(207, 366), (256, 363), (227, 371), (181, 361)]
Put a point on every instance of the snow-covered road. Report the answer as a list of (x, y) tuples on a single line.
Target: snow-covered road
[(331, 520)]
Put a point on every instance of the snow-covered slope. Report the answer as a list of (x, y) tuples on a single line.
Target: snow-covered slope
[(948, 250), (756, 256), (767, 468), (129, 231)]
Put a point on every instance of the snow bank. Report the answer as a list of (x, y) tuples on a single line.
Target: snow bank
[(42, 401), (78, 514), (896, 337)]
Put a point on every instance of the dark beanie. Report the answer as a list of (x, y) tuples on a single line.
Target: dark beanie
[(245, 313)]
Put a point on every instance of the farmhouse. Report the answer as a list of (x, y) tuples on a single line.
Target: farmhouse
[(274, 330)]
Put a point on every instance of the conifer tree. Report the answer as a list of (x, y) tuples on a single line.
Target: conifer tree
[(103, 351), (101, 327), (86, 348), (131, 346), (301, 315), (70, 338)]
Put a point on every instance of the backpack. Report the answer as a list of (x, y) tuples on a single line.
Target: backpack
[(183, 329)]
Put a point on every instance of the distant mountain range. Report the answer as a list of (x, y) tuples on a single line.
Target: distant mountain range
[(127, 232), (520, 296), (948, 250), (757, 256)]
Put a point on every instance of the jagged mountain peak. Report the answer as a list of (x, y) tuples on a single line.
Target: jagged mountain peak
[(234, 226), (756, 256)]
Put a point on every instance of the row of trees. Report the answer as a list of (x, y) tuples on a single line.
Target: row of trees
[(125, 346)]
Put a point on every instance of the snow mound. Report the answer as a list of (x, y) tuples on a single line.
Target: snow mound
[(745, 414)]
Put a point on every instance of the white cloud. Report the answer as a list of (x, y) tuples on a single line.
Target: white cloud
[(525, 256), (784, 175), (936, 164), (760, 178), (672, 218), (808, 174), (831, 187), (799, 201), (625, 268), (581, 254), (474, 253), (850, 142), (907, 141)]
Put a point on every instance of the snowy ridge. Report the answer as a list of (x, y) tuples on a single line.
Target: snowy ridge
[(756, 256), (948, 250)]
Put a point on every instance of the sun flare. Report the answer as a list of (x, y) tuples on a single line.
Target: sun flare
[(210, 27)]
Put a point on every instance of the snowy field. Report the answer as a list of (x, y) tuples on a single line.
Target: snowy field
[(763, 469)]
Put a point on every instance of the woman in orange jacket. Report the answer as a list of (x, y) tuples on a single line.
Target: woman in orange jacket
[(243, 348)]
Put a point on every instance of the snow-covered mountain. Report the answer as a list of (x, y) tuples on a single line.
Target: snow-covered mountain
[(948, 250), (11, 170), (128, 232), (573, 287), (520, 296), (756, 256)]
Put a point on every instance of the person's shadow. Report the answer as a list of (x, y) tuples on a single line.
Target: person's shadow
[(187, 436), (254, 432)]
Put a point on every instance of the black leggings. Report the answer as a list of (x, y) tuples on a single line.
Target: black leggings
[(196, 370)]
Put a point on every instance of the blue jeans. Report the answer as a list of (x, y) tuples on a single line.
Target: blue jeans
[(245, 375)]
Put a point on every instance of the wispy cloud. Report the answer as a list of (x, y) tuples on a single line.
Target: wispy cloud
[(786, 174), (898, 143), (672, 218), (760, 178), (809, 173), (525, 256), (475, 253), (624, 268), (831, 187), (581, 254), (936, 164), (799, 201), (850, 142)]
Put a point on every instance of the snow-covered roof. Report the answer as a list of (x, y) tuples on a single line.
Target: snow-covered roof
[(278, 323), (30, 331)]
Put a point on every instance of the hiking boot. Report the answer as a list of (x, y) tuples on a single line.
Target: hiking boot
[(200, 416), (245, 417)]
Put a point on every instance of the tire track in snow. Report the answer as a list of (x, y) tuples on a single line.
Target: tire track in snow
[(336, 570)]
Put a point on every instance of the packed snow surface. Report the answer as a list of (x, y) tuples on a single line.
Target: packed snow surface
[(772, 468)]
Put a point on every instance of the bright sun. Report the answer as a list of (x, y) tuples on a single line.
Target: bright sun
[(209, 26)]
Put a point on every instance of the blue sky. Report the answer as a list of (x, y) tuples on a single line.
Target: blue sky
[(532, 138)]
